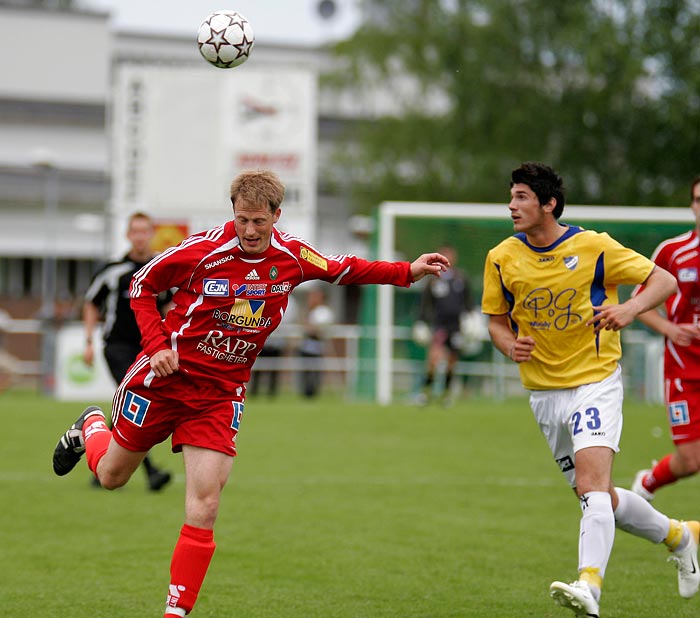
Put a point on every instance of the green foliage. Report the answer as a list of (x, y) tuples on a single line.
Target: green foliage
[(606, 92), (332, 510)]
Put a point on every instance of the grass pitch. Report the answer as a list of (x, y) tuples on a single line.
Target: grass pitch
[(333, 510)]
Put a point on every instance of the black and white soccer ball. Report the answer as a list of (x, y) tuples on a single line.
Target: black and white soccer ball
[(225, 39)]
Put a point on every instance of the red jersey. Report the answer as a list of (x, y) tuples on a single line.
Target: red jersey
[(228, 302), (681, 257)]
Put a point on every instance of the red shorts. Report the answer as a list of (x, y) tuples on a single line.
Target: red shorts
[(683, 406), (146, 410)]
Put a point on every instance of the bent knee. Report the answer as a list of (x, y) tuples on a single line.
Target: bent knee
[(691, 466), (688, 458), (112, 478), (109, 481), (203, 512)]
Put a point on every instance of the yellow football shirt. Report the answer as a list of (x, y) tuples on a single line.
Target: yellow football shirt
[(549, 294)]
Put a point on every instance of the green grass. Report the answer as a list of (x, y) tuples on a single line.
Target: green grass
[(333, 510)]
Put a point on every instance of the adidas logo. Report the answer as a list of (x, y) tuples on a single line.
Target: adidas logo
[(252, 276)]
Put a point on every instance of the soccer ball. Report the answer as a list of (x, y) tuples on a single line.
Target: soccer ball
[(225, 39)]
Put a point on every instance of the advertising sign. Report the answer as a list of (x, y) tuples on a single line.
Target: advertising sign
[(181, 134)]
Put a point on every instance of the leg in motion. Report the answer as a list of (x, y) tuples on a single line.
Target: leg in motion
[(597, 533), (71, 446), (112, 464), (206, 473), (635, 515)]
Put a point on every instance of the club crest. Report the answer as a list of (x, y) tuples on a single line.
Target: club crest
[(571, 262)]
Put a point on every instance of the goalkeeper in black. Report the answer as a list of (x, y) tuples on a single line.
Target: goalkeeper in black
[(444, 304)]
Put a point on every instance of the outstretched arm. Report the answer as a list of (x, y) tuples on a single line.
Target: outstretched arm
[(429, 264)]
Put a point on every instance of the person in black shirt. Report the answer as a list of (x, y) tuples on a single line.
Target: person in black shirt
[(444, 303), (107, 299)]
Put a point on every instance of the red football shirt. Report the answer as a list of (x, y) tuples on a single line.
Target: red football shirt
[(681, 257), (228, 302)]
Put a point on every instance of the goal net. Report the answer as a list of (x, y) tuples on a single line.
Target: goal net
[(404, 230)]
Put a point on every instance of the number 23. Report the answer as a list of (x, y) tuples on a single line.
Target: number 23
[(593, 422)]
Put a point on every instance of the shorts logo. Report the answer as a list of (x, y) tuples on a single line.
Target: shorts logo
[(135, 408), (215, 287), (313, 258), (565, 463), (678, 413), (687, 275), (237, 414)]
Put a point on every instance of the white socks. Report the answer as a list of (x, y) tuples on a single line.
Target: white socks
[(636, 516), (597, 533)]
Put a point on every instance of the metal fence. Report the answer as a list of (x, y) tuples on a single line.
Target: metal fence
[(344, 363)]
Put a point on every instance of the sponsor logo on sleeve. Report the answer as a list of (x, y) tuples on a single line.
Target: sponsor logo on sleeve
[(313, 258), (215, 287)]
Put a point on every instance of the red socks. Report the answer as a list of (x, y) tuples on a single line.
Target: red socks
[(191, 558), (193, 550), (661, 475), (97, 436)]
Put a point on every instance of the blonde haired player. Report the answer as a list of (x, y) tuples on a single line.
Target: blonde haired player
[(189, 384), (551, 294)]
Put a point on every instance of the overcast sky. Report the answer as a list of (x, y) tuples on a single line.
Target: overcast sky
[(273, 21)]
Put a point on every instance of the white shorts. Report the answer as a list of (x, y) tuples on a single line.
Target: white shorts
[(575, 418)]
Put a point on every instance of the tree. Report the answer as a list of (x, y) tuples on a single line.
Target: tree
[(606, 91)]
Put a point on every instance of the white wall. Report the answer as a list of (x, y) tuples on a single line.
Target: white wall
[(71, 147), (72, 234), (54, 56)]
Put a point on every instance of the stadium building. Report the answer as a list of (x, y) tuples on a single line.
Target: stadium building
[(76, 148), (97, 123)]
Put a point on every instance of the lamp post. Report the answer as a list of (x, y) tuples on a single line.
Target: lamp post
[(44, 163)]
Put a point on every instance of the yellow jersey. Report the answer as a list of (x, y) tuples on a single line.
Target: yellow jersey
[(549, 294)]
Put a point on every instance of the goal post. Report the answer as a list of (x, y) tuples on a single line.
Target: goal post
[(639, 227)]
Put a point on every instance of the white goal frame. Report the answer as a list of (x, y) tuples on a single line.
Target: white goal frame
[(389, 212)]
